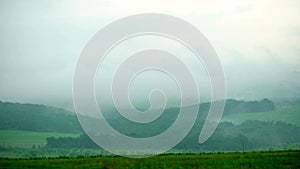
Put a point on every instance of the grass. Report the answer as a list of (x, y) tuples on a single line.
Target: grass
[(26, 139), (289, 115), (286, 159)]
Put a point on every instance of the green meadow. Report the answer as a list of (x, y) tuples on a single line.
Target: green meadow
[(27, 139), (284, 159)]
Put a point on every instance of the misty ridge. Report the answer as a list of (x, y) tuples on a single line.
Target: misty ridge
[(34, 117), (245, 126)]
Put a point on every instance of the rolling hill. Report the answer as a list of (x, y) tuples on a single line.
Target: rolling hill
[(25, 125), (39, 118)]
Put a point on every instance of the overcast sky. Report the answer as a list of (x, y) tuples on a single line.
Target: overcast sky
[(258, 42)]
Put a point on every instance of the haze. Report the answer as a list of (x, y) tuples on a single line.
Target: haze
[(257, 42)]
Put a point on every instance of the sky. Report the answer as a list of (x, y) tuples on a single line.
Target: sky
[(257, 41)]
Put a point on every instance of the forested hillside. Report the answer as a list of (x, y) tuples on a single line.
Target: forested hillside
[(30, 117)]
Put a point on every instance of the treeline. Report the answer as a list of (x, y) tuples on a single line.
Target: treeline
[(235, 106), (239, 106), (251, 135), (83, 141)]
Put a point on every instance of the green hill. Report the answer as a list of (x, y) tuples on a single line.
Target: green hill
[(40, 118), (48, 122)]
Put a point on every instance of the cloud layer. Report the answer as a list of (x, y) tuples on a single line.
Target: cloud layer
[(257, 41)]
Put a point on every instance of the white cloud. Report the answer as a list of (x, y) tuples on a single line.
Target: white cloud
[(252, 38), (262, 29)]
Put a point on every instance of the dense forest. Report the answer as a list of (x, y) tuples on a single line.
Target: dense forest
[(251, 135)]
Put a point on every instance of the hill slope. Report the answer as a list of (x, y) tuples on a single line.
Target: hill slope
[(30, 117)]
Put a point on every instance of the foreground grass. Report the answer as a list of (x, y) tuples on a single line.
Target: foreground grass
[(286, 159)]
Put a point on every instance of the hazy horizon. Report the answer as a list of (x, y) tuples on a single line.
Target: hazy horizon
[(257, 43)]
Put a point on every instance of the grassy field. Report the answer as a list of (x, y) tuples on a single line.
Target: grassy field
[(289, 115), (287, 159), (26, 139)]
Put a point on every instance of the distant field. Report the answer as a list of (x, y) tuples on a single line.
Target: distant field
[(289, 115), (26, 139), (287, 159)]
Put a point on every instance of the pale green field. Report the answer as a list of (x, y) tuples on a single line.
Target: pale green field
[(289, 115), (26, 139)]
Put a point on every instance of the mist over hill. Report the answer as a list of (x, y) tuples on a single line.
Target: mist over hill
[(33, 117), (246, 135)]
